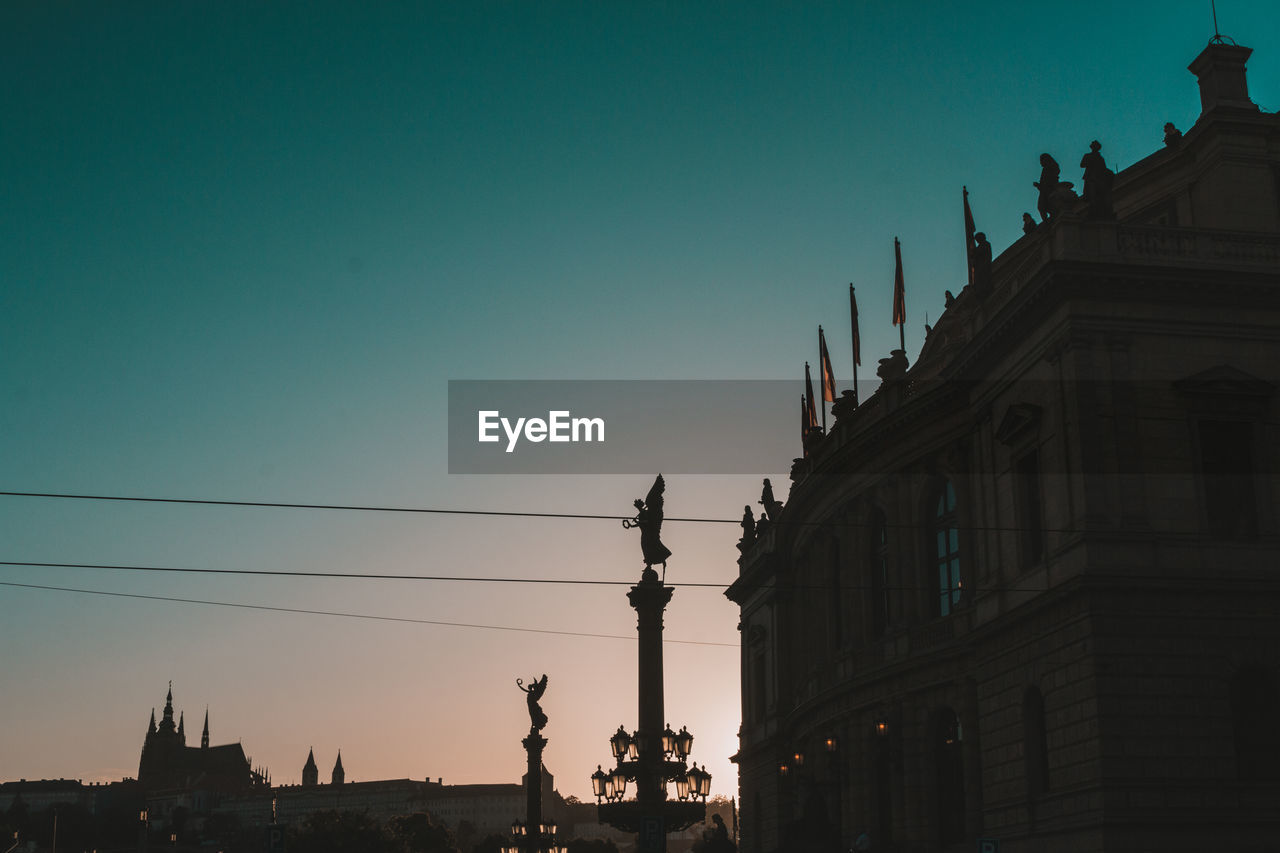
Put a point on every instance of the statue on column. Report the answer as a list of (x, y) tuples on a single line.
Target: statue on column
[(537, 718), (649, 520)]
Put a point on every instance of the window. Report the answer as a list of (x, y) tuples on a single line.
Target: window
[(946, 537), (835, 604), (1226, 468), (949, 757), (1030, 516), (760, 696), (884, 787), (879, 574), (1035, 743), (1255, 702)]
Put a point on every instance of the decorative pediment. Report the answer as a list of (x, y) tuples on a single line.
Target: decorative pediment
[(1020, 419), (1224, 381)]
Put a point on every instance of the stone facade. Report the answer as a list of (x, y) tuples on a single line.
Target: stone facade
[(1028, 591)]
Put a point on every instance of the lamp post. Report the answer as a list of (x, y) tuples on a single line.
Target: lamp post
[(653, 755)]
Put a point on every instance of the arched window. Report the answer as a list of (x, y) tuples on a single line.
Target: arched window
[(1255, 702), (946, 543), (879, 558), (1035, 743), (949, 757)]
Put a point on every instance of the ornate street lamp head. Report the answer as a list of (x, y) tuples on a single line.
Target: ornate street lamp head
[(620, 743), (684, 743), (599, 783), (668, 741), (619, 781)]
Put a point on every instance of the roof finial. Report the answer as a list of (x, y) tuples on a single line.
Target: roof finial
[(1218, 37)]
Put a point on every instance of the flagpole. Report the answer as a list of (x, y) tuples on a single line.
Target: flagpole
[(899, 297), (822, 368), (853, 322)]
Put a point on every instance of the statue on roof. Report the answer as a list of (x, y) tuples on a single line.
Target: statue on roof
[(537, 718), (772, 506), (1097, 183), (980, 257), (649, 520), (748, 527), (1055, 194), (1172, 136)]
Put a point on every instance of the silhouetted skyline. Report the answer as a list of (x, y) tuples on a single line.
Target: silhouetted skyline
[(248, 247)]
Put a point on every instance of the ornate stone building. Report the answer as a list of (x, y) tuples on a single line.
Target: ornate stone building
[(1029, 590)]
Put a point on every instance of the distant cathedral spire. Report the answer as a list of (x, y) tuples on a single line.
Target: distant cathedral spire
[(339, 775), (310, 773), (151, 726), (182, 732), (166, 722), (204, 737)]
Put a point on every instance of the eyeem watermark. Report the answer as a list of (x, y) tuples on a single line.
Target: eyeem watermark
[(559, 426)]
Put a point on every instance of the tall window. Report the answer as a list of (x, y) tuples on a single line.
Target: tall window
[(1030, 516), (760, 687), (1255, 702), (879, 541), (884, 789), (835, 605), (949, 756), (1226, 466), (946, 536), (1035, 743)]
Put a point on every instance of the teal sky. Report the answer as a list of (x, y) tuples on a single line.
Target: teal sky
[(246, 245)]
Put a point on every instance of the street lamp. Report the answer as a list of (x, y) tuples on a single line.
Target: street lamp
[(620, 742), (653, 755)]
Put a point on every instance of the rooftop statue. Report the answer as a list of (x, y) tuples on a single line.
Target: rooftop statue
[(1172, 136), (537, 719), (772, 506), (980, 255), (1055, 194), (1097, 183), (748, 526), (1028, 223), (649, 520)]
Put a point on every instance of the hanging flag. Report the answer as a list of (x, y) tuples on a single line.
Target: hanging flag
[(853, 321), (969, 230), (804, 418), (811, 411), (828, 375), (899, 287)]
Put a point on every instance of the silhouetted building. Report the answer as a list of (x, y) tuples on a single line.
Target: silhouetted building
[(172, 774), (1028, 590), (310, 773)]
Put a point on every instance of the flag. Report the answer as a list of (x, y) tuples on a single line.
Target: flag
[(853, 321), (969, 230), (828, 375), (804, 418), (899, 287), (811, 412)]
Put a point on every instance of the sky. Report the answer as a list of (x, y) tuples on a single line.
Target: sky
[(244, 248)]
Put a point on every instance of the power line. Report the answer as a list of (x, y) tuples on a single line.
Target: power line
[(369, 616), (822, 523), (352, 575), (828, 587), (353, 507)]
